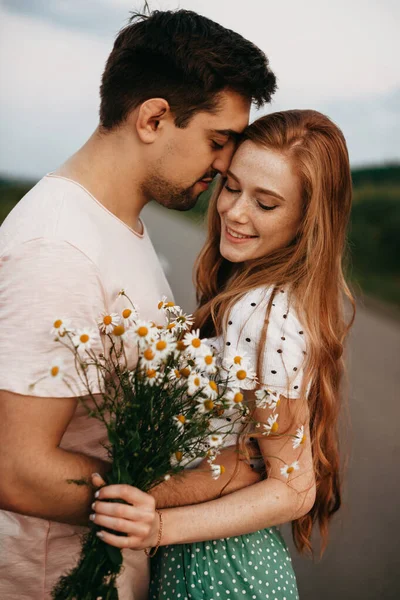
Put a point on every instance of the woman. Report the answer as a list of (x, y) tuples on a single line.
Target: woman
[(270, 286)]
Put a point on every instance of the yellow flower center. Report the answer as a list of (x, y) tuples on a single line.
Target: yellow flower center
[(148, 354), (208, 359), (171, 326), (209, 404), (55, 371), (290, 470), (274, 427), (84, 338), (119, 330), (182, 418), (241, 374), (303, 439), (180, 346), (196, 343), (126, 313), (238, 397), (213, 386), (237, 360), (161, 345), (107, 320), (160, 305), (169, 304), (185, 372), (142, 331), (177, 374), (178, 455), (57, 324), (196, 381), (222, 469), (151, 373)]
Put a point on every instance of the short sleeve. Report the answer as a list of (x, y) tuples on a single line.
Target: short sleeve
[(283, 359), (40, 281)]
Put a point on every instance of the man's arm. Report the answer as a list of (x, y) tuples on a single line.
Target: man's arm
[(196, 485), (34, 471)]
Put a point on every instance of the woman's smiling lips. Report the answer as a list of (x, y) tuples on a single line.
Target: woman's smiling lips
[(236, 237)]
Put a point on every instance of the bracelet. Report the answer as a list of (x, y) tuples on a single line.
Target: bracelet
[(151, 552)]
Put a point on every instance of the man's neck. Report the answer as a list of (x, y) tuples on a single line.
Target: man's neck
[(101, 167)]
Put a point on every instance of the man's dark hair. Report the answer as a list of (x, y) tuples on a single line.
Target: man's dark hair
[(184, 58)]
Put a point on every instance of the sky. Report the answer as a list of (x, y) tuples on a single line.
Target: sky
[(339, 57)]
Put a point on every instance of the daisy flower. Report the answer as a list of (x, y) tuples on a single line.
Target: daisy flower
[(164, 346), (182, 321), (215, 440), (217, 471), (60, 327), (84, 338), (271, 426), (152, 376), (266, 399), (204, 405), (166, 305), (236, 359), (56, 368), (288, 469), (181, 421), (233, 396), (242, 375), (211, 389), (195, 383), (206, 363), (121, 332), (299, 438), (194, 345), (179, 459), (129, 316), (143, 332)]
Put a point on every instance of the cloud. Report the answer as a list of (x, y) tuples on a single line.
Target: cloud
[(99, 17), (52, 54)]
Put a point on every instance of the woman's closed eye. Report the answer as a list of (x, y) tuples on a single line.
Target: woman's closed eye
[(231, 190), (265, 206)]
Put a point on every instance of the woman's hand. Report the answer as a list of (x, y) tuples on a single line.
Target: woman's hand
[(138, 518)]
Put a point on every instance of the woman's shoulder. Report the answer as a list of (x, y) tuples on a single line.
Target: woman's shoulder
[(255, 303)]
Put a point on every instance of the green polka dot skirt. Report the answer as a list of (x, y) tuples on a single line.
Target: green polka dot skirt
[(255, 566)]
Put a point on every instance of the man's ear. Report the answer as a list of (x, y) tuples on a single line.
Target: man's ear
[(150, 118)]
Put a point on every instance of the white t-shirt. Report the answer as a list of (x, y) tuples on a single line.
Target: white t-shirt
[(62, 254)]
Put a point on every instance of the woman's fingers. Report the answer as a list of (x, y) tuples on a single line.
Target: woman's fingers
[(122, 511), (136, 529), (128, 493)]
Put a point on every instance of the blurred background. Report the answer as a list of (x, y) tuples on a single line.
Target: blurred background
[(337, 57)]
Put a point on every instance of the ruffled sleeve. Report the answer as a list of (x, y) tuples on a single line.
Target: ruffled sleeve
[(283, 358)]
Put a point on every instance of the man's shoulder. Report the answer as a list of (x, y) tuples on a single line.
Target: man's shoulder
[(54, 210)]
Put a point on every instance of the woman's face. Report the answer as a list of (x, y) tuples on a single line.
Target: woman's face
[(260, 205)]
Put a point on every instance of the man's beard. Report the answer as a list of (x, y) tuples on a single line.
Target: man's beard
[(170, 195)]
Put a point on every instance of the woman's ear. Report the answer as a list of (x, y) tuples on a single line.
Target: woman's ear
[(150, 119)]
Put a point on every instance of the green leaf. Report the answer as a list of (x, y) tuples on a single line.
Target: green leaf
[(135, 441), (114, 554)]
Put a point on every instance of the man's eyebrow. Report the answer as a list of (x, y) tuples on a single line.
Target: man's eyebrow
[(258, 189), (235, 135)]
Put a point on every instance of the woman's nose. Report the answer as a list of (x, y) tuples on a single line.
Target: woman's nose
[(238, 211)]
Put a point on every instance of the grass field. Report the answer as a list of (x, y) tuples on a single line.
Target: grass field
[(374, 233)]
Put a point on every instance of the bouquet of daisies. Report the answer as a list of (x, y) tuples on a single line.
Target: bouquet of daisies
[(158, 414)]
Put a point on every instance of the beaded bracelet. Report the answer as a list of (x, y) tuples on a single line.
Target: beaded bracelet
[(151, 552)]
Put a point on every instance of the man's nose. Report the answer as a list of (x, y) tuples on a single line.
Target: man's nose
[(223, 160)]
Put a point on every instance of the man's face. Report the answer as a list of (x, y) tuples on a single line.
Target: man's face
[(186, 160)]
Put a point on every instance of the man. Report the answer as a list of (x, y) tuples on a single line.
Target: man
[(175, 95)]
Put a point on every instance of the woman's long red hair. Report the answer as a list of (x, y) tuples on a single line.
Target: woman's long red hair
[(312, 266)]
